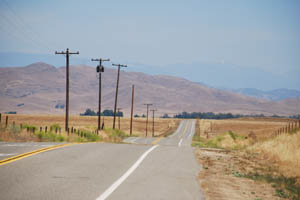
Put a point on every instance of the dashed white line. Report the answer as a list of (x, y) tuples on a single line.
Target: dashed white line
[(179, 144), (116, 184)]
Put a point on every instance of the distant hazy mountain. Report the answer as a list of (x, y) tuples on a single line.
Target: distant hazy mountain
[(221, 74), (273, 95), (40, 88)]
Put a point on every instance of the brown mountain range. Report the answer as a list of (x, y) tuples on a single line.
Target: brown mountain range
[(40, 88)]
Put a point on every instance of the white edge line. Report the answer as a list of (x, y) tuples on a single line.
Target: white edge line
[(116, 184), (192, 130), (179, 144), (178, 129)]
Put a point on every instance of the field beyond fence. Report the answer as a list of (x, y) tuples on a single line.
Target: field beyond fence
[(81, 128)]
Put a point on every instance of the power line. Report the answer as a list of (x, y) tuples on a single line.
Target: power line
[(26, 30), (17, 29)]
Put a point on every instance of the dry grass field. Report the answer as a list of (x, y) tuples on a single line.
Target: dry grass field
[(89, 123), (243, 159), (261, 128)]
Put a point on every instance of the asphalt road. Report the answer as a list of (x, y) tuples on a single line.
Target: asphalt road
[(9, 149), (167, 170)]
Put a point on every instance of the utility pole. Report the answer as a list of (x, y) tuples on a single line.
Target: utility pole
[(117, 88), (119, 115), (67, 53), (153, 110), (99, 69), (147, 104), (132, 101)]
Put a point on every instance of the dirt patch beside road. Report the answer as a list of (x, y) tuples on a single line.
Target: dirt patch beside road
[(221, 177)]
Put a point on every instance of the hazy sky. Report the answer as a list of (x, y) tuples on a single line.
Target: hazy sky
[(262, 34)]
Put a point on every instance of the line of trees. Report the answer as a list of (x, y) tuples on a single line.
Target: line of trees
[(208, 115), (143, 115), (187, 115), (211, 115), (90, 112)]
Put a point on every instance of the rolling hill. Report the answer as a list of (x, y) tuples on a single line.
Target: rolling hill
[(40, 88), (273, 95)]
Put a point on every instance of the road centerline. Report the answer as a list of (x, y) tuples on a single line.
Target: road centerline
[(31, 153), (185, 128), (117, 183)]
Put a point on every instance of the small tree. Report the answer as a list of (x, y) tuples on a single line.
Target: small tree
[(89, 112), (165, 116)]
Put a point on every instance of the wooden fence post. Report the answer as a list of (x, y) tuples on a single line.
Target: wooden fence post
[(0, 117), (21, 126), (46, 128), (56, 130), (14, 124), (41, 129), (6, 121), (72, 129)]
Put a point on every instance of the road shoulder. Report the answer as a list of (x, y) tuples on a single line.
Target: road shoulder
[(222, 176)]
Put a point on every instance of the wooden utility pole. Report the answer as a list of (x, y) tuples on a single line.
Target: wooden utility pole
[(153, 110), (100, 69), (131, 117), (119, 115), (117, 88), (67, 53), (199, 127), (147, 104)]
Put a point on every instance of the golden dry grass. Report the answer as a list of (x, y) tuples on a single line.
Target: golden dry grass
[(284, 150), (90, 123), (248, 148), (244, 126), (257, 136)]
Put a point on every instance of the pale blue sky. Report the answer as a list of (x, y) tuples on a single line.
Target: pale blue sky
[(257, 34)]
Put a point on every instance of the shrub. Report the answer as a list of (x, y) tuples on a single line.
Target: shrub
[(30, 127), (54, 127)]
